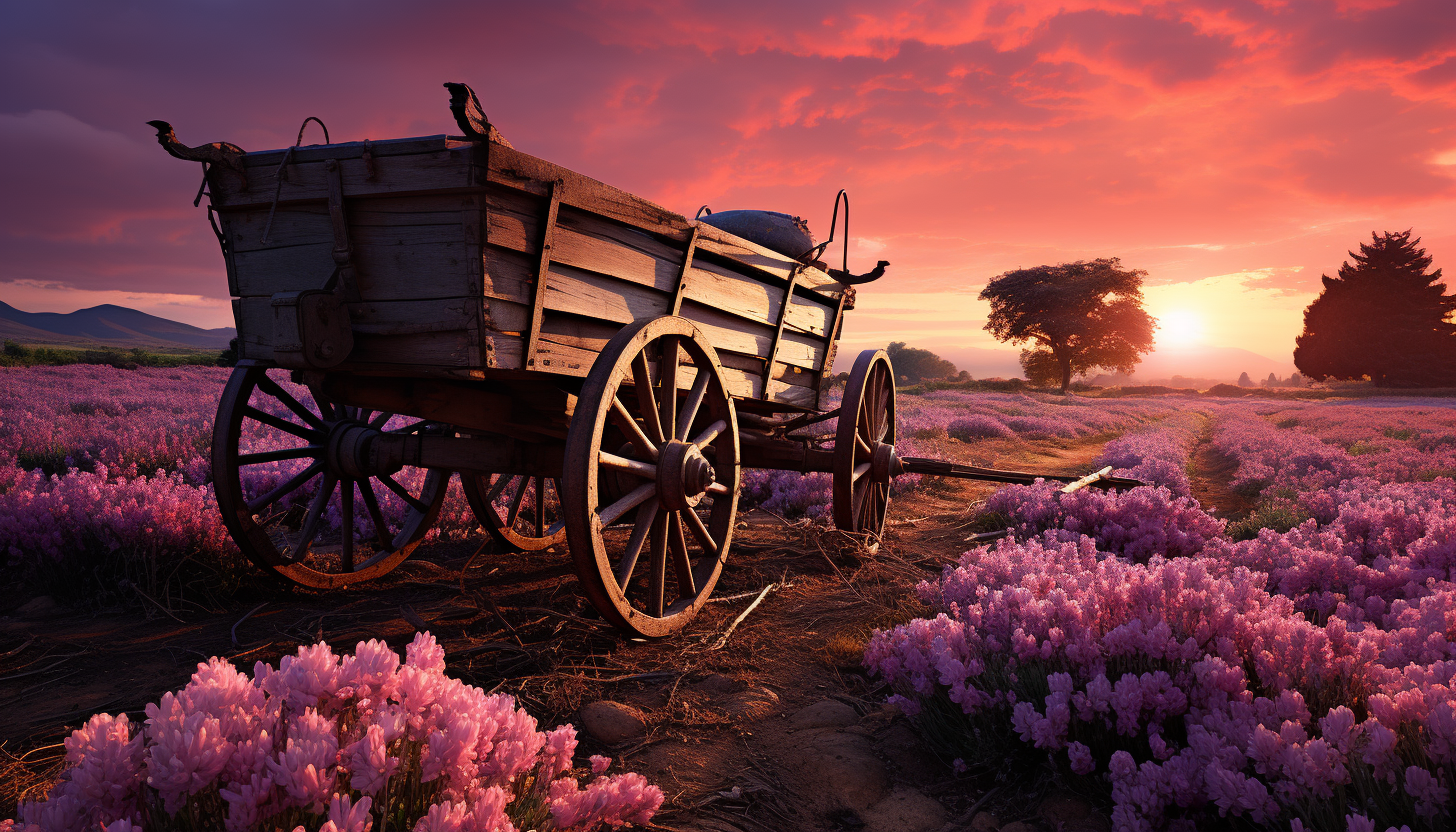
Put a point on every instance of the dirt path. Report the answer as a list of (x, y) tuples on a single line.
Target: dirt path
[(779, 729), (1212, 472)]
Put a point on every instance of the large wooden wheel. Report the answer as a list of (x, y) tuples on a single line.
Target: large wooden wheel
[(650, 483), (519, 511), (864, 446), (287, 502)]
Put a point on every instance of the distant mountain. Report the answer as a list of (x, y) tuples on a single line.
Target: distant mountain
[(1221, 363), (107, 325)]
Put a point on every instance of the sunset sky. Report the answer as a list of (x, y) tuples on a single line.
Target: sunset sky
[(1234, 150)]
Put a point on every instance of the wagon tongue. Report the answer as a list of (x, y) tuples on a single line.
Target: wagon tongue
[(940, 468)]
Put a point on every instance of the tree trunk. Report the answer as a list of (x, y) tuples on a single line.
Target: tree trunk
[(1066, 373)]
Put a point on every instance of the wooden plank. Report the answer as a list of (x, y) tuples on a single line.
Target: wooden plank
[(384, 221), (512, 167), (397, 332), (508, 275), (543, 265), (720, 288), (441, 170), (604, 298), (384, 272), (353, 150), (772, 355), (682, 275)]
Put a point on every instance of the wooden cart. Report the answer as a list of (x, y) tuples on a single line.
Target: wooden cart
[(597, 369)]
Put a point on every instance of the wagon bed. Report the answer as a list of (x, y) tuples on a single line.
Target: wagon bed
[(473, 260)]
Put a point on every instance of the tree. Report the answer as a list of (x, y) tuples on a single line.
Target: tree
[(1245, 381), (916, 364), (1078, 316), (1383, 316)]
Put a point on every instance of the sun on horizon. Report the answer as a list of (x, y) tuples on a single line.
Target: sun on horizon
[(1178, 328)]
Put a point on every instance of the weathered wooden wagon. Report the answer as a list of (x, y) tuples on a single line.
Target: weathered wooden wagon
[(597, 369)]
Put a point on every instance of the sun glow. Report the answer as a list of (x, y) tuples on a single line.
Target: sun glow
[(1180, 328)]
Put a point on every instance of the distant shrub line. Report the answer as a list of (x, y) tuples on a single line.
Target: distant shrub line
[(19, 355)]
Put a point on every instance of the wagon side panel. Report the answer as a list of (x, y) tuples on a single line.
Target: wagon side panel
[(603, 272), (415, 224)]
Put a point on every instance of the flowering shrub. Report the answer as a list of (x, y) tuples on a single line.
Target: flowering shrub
[(1158, 455), (1186, 685), (97, 462), (1300, 679), (335, 744)]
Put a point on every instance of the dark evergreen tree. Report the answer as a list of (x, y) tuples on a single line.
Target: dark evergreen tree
[(1245, 381), (1383, 316)]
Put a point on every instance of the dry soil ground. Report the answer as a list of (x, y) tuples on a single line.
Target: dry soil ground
[(779, 729)]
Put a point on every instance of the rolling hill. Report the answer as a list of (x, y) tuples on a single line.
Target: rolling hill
[(107, 325)]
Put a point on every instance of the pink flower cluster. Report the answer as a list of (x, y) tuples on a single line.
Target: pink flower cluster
[(334, 744), (1137, 523), (1156, 455), (96, 461), (1302, 678)]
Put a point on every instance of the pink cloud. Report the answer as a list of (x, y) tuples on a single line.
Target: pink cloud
[(1191, 137)]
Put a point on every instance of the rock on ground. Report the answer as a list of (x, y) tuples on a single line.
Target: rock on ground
[(826, 713), (612, 723), (832, 771), (904, 810)]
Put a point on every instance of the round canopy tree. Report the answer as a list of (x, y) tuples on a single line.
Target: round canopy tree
[(1383, 316), (1078, 316)]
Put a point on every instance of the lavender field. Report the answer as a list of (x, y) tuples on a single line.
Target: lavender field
[(1282, 663)]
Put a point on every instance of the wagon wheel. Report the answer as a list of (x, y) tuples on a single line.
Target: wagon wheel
[(864, 446), (650, 484), (287, 503), (500, 504)]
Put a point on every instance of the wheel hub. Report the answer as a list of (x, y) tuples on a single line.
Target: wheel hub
[(348, 448), (884, 463), (683, 475)]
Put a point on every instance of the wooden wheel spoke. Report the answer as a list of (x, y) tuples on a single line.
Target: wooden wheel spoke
[(642, 469), (309, 451), (686, 586), (379, 421), (691, 405), (539, 512), (413, 427), (515, 509), (861, 496), (371, 502), (657, 577), (398, 489), (859, 471), (646, 400), (346, 517), (501, 481), (279, 423), (257, 505), (629, 426), (315, 513), (328, 410), (273, 389), (667, 374), (700, 531), (645, 520), (861, 445), (710, 433), (634, 498), (718, 488)]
